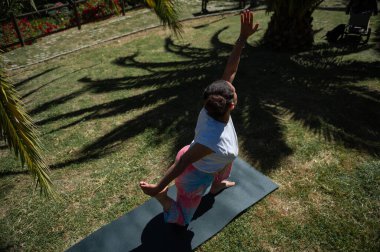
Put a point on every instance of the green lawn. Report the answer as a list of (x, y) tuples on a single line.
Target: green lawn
[(114, 114), (97, 32)]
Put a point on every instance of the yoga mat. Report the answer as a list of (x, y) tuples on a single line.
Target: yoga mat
[(143, 228)]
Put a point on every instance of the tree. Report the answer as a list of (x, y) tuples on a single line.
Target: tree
[(19, 132), (290, 26)]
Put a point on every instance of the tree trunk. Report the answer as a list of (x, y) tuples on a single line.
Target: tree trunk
[(285, 32)]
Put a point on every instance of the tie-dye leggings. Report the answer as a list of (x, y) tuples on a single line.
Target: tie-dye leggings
[(191, 186)]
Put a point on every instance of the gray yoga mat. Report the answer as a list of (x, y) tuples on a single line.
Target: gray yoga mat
[(143, 228)]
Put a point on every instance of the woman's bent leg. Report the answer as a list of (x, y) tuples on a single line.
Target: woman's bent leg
[(223, 174), (220, 180), (162, 196), (191, 186)]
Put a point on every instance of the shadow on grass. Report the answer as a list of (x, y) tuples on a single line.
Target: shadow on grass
[(376, 34), (198, 14), (316, 88), (21, 83), (48, 83), (3, 147)]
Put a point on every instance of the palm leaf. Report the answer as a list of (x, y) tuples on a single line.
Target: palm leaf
[(167, 12), (112, 4), (33, 5), (19, 132)]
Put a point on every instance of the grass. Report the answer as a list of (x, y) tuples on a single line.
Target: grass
[(114, 114), (94, 33)]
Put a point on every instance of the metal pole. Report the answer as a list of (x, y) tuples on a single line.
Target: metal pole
[(76, 13), (123, 7), (19, 35)]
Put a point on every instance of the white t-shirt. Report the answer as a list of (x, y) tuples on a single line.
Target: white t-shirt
[(220, 138)]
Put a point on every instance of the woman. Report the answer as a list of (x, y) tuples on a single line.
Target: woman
[(207, 161)]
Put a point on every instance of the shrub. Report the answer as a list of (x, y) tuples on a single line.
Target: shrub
[(55, 20)]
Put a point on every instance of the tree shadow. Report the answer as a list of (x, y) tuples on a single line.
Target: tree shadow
[(316, 88), (49, 82), (21, 83), (376, 34), (3, 146)]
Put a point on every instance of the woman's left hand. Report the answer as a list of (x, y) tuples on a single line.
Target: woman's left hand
[(247, 25)]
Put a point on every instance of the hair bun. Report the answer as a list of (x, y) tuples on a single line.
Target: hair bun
[(217, 96), (215, 104)]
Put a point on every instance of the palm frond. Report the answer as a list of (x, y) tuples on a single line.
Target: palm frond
[(112, 4), (167, 11), (19, 132), (33, 4)]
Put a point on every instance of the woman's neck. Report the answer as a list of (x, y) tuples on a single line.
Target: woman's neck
[(225, 118)]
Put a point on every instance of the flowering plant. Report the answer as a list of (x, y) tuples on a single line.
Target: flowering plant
[(97, 9), (56, 20)]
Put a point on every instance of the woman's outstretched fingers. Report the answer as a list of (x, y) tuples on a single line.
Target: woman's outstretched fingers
[(245, 16), (247, 25), (256, 26)]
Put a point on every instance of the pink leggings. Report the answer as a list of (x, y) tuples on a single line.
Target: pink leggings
[(191, 186)]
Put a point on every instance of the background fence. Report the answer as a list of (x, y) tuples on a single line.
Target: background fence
[(25, 28)]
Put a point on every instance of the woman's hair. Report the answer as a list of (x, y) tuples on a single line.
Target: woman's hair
[(217, 97)]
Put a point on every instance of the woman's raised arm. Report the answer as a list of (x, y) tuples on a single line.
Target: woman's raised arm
[(247, 28)]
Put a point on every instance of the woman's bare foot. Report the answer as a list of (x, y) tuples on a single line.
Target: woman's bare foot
[(162, 196), (216, 188)]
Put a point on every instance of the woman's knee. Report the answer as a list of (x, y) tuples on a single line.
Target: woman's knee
[(181, 152), (223, 174)]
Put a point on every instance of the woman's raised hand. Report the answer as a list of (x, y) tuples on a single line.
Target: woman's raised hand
[(247, 26)]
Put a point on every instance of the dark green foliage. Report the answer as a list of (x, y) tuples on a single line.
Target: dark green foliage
[(291, 25)]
